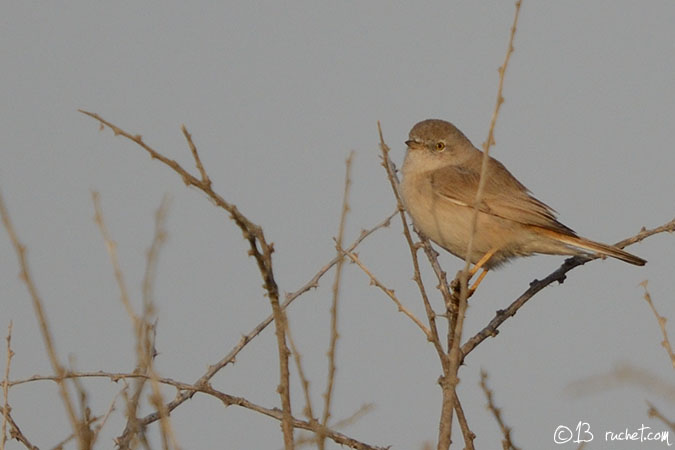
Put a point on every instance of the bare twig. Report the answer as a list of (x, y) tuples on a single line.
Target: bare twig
[(449, 298), (654, 412), (455, 307), (88, 421), (314, 281), (507, 443), (304, 382), (152, 257), (132, 427), (468, 435), (417, 277), (559, 275), (227, 399), (335, 436), (198, 162), (15, 432), (147, 337), (306, 440), (330, 382), (455, 332), (5, 387), (389, 293), (662, 324), (353, 418), (245, 339), (26, 277), (111, 247), (108, 413), (254, 235), (252, 232), (144, 329), (624, 375), (489, 142), (85, 434), (281, 325), (260, 249)]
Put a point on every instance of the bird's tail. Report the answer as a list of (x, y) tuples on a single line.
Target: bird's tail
[(597, 248)]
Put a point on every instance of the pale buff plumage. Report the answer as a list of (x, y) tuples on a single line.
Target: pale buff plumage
[(441, 172)]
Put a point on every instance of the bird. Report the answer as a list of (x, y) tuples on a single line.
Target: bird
[(441, 173)]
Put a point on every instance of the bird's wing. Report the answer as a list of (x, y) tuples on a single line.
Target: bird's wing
[(503, 196)]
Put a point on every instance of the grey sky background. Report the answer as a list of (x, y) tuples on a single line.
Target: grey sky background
[(275, 95)]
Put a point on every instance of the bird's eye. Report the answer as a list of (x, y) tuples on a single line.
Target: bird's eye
[(440, 146)]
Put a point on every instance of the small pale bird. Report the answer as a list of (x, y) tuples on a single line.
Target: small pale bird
[(441, 172)]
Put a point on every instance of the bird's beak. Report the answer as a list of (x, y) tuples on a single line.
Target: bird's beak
[(412, 144)]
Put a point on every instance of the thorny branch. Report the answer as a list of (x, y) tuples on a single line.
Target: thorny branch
[(79, 427), (227, 399), (559, 275), (455, 331), (260, 249)]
